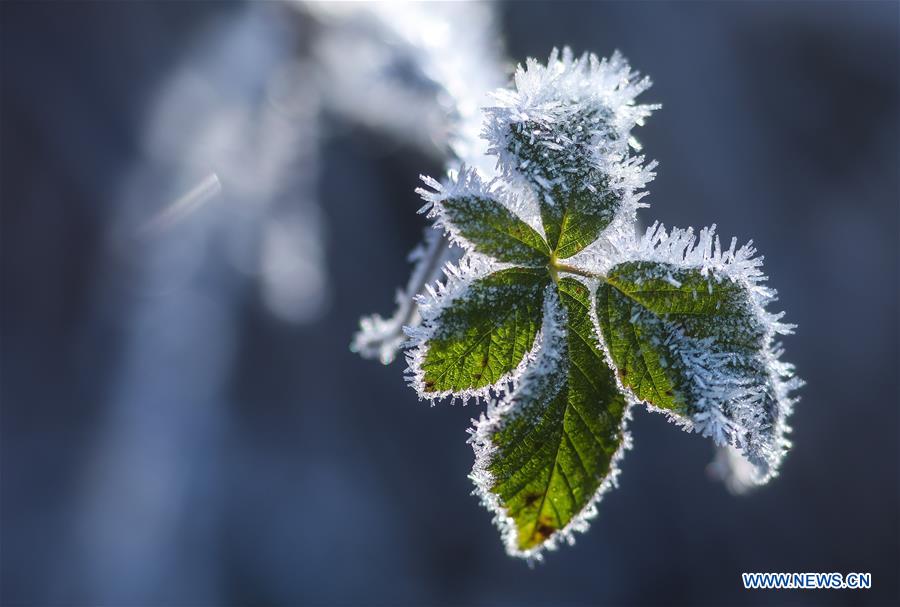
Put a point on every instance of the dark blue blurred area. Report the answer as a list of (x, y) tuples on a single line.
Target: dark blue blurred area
[(168, 440)]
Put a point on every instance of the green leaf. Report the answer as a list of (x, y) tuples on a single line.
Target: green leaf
[(556, 445), (494, 230), (485, 333), (650, 313), (586, 215), (575, 201)]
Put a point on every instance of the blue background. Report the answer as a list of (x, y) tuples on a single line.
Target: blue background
[(258, 461)]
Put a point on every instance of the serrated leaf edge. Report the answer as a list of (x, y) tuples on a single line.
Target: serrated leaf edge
[(548, 94), (467, 181), (550, 349), (681, 248), (435, 299)]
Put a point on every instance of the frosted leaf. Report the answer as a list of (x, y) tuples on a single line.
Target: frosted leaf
[(564, 135), (475, 217), (547, 452), (687, 329), (667, 319), (477, 331)]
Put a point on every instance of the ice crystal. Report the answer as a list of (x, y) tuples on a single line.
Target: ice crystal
[(382, 338), (567, 127), (541, 380), (422, 71), (561, 317), (747, 411)]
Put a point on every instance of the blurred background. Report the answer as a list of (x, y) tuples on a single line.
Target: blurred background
[(198, 206)]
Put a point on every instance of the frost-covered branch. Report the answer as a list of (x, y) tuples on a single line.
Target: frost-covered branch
[(382, 338), (422, 72)]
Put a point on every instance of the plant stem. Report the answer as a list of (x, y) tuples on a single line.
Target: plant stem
[(555, 267), (573, 270)]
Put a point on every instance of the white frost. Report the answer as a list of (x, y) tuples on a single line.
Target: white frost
[(422, 72), (548, 97), (562, 121), (542, 377), (469, 182), (734, 410), (382, 338), (431, 303)]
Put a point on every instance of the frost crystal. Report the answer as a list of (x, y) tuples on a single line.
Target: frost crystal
[(561, 317), (746, 394), (382, 338), (432, 305), (541, 382), (567, 128), (427, 85)]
